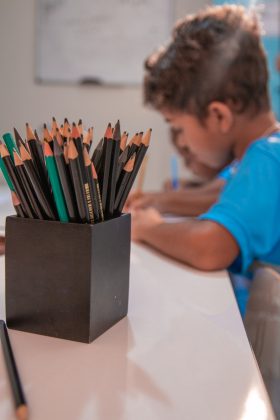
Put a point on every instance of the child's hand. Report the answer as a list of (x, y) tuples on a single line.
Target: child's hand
[(143, 221), (144, 200), (131, 199)]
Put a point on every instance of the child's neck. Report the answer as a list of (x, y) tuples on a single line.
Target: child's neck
[(250, 129)]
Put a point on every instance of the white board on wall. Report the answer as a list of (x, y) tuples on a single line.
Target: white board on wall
[(105, 41)]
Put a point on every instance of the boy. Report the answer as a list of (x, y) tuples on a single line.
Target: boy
[(211, 82), (192, 198)]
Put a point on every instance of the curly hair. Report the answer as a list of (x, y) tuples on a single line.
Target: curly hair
[(215, 55)]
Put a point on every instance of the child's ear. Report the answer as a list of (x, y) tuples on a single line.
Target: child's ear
[(220, 117)]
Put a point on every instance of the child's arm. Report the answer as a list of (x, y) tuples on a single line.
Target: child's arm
[(189, 202), (203, 244)]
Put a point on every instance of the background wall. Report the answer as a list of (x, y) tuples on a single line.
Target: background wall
[(22, 100)]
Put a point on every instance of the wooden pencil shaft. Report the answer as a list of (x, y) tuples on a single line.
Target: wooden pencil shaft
[(132, 149), (97, 155), (106, 172), (123, 158), (139, 159), (121, 186), (18, 393), (19, 210), (45, 204), (66, 183), (37, 155), (19, 140), (79, 147), (93, 193), (41, 179), (113, 178), (18, 186), (79, 190), (57, 189), (29, 191)]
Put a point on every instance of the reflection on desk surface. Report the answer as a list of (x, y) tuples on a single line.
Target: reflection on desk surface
[(182, 353)]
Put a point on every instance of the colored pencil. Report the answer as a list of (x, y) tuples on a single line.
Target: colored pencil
[(78, 182), (108, 148), (35, 149), (19, 140), (66, 182), (123, 141), (10, 144), (126, 172), (17, 205), (138, 161), (47, 136), (55, 183), (97, 155), (27, 186), (46, 204), (92, 185), (17, 183), (112, 180)]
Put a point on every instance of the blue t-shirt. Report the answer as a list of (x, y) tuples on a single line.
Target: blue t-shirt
[(249, 205), (228, 172), (249, 208)]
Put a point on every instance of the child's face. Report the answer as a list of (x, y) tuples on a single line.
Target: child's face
[(207, 142)]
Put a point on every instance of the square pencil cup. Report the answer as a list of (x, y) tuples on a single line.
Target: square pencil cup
[(67, 280)]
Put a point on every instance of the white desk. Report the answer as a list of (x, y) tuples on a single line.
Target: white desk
[(181, 354)]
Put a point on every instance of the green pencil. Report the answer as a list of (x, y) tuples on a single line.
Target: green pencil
[(55, 183), (11, 144)]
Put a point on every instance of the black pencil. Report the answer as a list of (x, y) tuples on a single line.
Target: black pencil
[(19, 139), (86, 140), (36, 151), (44, 200), (47, 136), (55, 127), (95, 179), (112, 181), (92, 185), (76, 136), (134, 144), (16, 181), (97, 155), (66, 182), (123, 141), (21, 170), (78, 184), (123, 158), (19, 398), (66, 130), (138, 161), (107, 157), (17, 205), (124, 177), (58, 137)]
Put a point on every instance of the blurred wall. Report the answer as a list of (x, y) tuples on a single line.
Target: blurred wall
[(22, 100)]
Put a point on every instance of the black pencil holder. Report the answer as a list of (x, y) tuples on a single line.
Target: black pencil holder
[(67, 280)]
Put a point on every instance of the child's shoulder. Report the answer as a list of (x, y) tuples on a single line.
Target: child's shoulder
[(266, 146)]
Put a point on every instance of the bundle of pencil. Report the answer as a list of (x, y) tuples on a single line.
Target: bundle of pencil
[(63, 177)]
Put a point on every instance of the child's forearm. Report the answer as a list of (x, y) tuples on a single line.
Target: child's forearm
[(202, 244), (188, 203)]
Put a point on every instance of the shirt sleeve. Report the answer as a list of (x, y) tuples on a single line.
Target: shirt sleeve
[(249, 206)]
